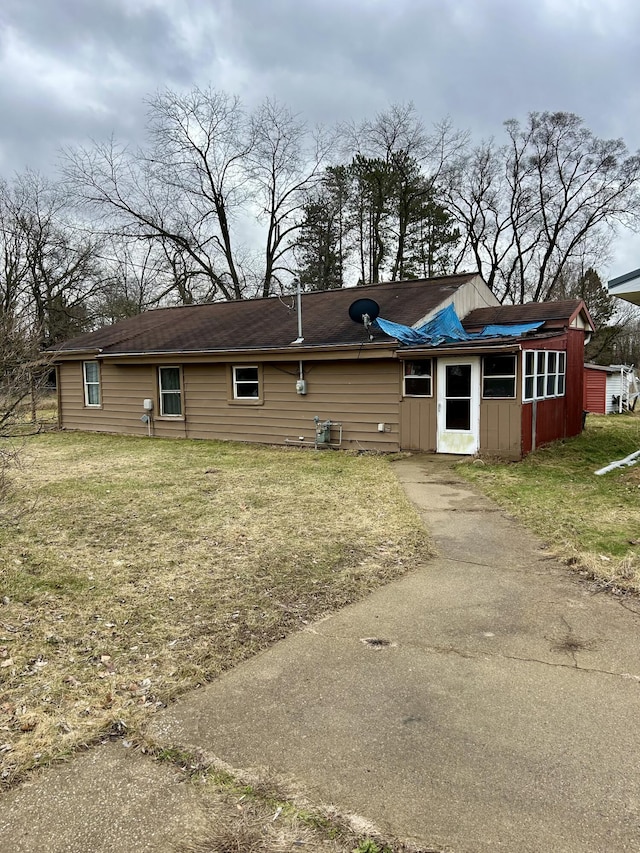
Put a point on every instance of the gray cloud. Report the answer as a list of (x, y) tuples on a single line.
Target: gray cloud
[(93, 36), (71, 70)]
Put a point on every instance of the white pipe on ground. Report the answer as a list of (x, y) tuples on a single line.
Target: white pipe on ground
[(621, 463)]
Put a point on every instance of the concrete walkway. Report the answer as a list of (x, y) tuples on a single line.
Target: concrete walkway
[(488, 701)]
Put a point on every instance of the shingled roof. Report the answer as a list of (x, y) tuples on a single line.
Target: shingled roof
[(270, 323), (555, 315)]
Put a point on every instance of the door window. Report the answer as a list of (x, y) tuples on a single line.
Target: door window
[(458, 396)]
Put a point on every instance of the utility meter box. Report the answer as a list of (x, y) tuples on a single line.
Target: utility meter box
[(301, 386), (147, 405), (323, 431)]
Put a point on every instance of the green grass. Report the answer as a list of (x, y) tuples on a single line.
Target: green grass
[(592, 521)]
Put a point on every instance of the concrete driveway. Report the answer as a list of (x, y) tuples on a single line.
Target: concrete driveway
[(489, 701)]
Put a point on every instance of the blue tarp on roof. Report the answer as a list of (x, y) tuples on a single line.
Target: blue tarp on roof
[(445, 328), (512, 331)]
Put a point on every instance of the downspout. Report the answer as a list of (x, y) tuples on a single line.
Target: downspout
[(58, 397)]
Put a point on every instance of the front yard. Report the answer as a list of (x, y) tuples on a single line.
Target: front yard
[(135, 570)]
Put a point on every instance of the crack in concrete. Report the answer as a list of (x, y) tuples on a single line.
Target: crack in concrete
[(489, 565), (470, 510), (625, 675), (625, 606), (473, 655)]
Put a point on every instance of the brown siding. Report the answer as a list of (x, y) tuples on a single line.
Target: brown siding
[(122, 388), (70, 402), (359, 394), (500, 428), (418, 423), (500, 422)]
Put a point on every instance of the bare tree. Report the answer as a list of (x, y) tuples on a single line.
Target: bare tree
[(477, 193), (208, 169), (23, 372), (285, 163), (64, 270), (49, 268), (13, 261), (124, 198), (136, 278), (550, 197), (199, 145), (400, 130)]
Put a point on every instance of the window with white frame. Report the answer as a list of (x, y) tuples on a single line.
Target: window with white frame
[(499, 376), (170, 391), (246, 383), (91, 376), (544, 374), (417, 378)]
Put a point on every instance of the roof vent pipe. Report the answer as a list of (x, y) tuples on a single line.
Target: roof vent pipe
[(300, 338)]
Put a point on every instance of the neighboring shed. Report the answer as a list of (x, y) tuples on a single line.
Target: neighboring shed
[(503, 381), (595, 389), (609, 389)]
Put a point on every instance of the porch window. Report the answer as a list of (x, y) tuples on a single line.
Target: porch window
[(170, 391), (544, 374), (562, 373), (552, 374), (91, 377), (499, 376), (541, 374), (246, 383), (417, 378)]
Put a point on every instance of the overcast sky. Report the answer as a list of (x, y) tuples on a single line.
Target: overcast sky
[(75, 70)]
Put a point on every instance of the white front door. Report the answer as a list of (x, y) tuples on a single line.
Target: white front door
[(458, 405)]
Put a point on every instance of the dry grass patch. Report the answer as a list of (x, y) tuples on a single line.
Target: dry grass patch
[(262, 812), (239, 825), (590, 521), (134, 570)]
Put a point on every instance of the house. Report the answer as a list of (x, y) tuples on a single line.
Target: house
[(502, 381), (626, 287), (609, 389)]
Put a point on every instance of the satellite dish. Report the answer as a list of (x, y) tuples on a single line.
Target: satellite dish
[(364, 311)]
